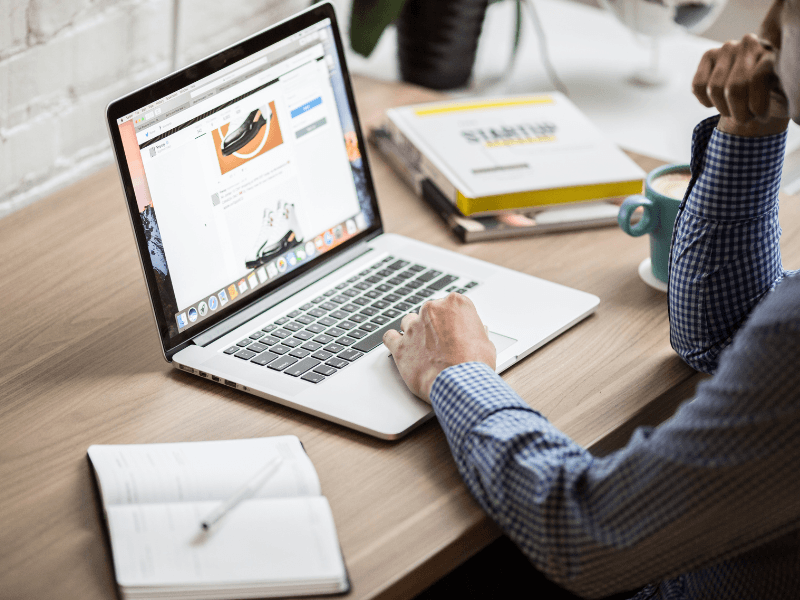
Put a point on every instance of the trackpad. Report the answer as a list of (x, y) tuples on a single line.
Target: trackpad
[(501, 342)]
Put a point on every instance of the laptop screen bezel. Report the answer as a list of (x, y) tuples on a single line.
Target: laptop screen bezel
[(187, 76)]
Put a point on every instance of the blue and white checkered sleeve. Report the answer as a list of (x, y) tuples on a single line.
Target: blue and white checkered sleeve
[(725, 253)]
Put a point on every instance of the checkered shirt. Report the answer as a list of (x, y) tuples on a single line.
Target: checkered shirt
[(707, 505)]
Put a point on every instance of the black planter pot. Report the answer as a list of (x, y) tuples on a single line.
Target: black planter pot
[(437, 41)]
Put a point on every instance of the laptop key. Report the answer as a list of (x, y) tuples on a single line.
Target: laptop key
[(442, 282), (369, 327), (380, 319), (397, 265), (341, 286), (391, 313), (270, 327), (256, 347), (461, 291), (335, 332), (232, 350), (337, 362), (328, 306), (374, 294), (338, 314), (350, 354), (281, 363), (293, 314), (282, 320), (332, 348), (317, 312), (327, 321), (375, 338), (323, 338), (425, 293), (345, 340), (256, 335), (363, 285), (414, 285), (245, 354), (316, 328), (306, 306), (358, 318), (280, 349), (369, 311), (304, 335), (304, 319), (329, 293), (380, 304), (244, 342), (312, 345), (292, 342), (269, 340), (429, 275), (318, 299), (471, 284), (340, 299), (416, 268), (281, 333), (351, 293), (313, 377), (391, 298), (324, 370), (265, 358), (346, 325), (357, 333), (395, 280), (293, 326), (415, 299), (299, 368), (403, 306), (322, 355), (299, 353)]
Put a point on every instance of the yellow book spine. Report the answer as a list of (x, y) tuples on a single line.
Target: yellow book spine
[(519, 200)]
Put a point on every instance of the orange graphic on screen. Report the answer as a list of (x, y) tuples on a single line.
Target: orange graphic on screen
[(238, 143)]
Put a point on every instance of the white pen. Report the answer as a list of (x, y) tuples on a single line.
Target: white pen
[(247, 490)]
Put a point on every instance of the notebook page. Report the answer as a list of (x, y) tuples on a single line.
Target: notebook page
[(277, 541), (200, 471)]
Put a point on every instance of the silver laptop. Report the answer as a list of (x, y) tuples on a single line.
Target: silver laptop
[(261, 242)]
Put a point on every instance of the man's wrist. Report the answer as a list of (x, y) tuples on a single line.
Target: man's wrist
[(753, 128)]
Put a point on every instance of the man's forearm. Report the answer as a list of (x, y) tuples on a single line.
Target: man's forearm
[(725, 252)]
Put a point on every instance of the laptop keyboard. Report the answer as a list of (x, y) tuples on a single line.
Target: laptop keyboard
[(316, 340)]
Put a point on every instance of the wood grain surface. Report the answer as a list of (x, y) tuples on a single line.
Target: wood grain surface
[(81, 365)]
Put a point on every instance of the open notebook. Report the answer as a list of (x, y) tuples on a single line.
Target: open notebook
[(280, 542)]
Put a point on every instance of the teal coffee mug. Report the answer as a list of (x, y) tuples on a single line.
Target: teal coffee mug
[(664, 189)]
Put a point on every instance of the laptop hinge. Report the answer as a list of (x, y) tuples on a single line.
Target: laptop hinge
[(282, 294)]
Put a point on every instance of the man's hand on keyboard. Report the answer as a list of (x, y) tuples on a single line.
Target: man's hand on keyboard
[(446, 332)]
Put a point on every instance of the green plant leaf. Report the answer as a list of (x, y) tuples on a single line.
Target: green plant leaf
[(368, 20)]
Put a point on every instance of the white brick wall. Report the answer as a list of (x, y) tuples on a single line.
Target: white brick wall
[(62, 61)]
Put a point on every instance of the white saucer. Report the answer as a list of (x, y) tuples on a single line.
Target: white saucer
[(646, 273)]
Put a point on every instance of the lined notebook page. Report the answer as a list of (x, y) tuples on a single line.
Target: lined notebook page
[(198, 471), (278, 541)]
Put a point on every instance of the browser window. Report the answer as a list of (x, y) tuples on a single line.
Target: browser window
[(247, 175)]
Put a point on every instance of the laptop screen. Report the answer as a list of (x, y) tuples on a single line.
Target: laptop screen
[(247, 175)]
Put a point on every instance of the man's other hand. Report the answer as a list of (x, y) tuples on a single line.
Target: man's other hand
[(446, 332), (739, 80)]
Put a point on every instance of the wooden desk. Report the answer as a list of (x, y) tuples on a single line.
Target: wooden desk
[(81, 365)]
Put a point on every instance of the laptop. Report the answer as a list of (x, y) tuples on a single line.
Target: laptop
[(261, 242)]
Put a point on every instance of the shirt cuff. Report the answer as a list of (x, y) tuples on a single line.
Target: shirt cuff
[(736, 178), (467, 394)]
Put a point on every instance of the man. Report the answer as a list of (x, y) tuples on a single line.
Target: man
[(707, 505)]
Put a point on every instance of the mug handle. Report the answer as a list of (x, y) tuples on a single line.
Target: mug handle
[(645, 225)]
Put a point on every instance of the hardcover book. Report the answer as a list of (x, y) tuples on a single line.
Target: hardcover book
[(488, 156)]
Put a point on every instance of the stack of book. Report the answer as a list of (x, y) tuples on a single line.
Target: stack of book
[(511, 166)]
